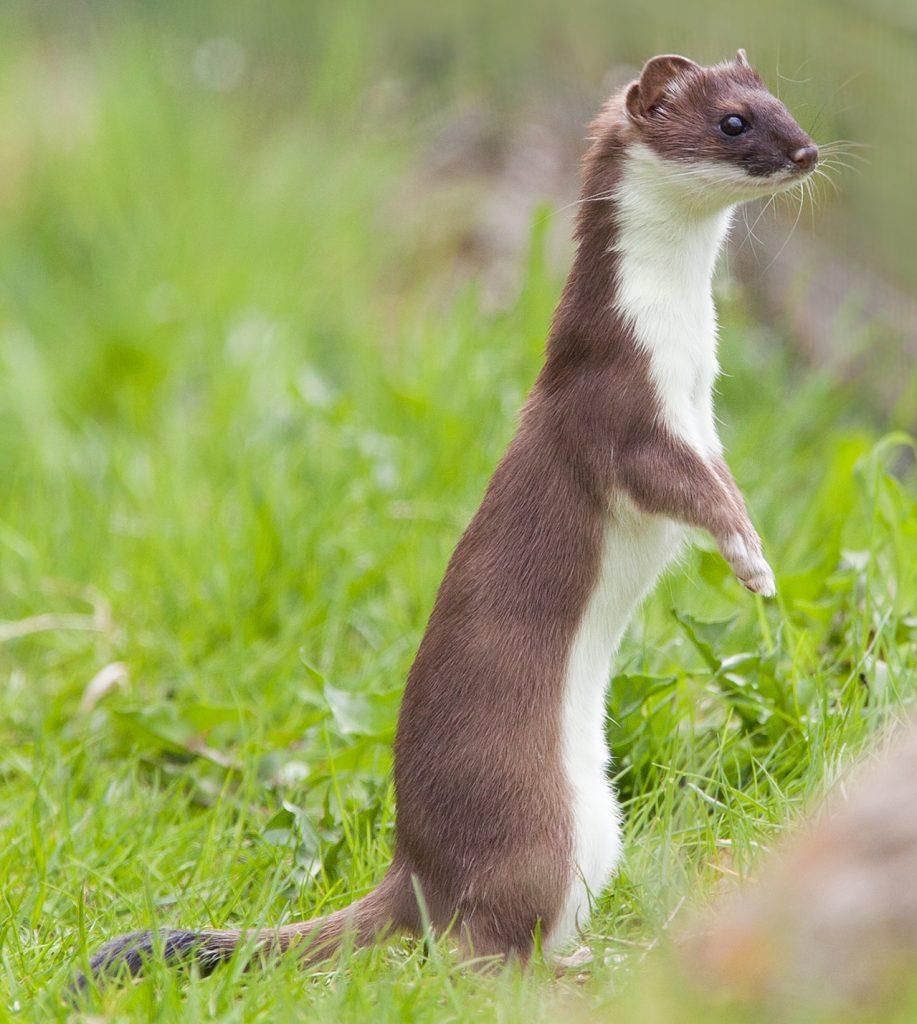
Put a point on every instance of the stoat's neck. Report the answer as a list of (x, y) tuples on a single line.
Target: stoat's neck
[(666, 237), (665, 249), (653, 243)]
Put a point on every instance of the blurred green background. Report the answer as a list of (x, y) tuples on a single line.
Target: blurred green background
[(134, 134), (274, 281), (847, 68)]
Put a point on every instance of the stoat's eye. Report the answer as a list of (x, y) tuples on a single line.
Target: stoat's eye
[(733, 124)]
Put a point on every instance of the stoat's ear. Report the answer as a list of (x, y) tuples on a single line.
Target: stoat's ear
[(742, 59), (656, 76)]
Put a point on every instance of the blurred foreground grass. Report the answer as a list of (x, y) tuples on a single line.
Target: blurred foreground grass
[(242, 429)]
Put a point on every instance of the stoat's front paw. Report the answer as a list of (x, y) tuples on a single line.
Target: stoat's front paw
[(743, 553)]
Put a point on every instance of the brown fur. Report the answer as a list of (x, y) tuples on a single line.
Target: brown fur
[(484, 828), (682, 120)]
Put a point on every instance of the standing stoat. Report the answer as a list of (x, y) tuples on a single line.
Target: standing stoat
[(506, 820)]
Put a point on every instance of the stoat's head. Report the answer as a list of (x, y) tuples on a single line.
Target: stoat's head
[(716, 132)]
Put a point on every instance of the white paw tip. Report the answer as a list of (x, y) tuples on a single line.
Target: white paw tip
[(761, 583)]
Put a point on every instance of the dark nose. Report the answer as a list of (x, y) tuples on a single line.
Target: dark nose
[(805, 158)]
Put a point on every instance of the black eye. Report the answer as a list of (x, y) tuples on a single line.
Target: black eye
[(732, 124)]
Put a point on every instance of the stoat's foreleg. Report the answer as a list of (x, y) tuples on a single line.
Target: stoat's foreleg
[(668, 477)]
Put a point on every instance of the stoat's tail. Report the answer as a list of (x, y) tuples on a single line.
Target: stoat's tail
[(385, 909)]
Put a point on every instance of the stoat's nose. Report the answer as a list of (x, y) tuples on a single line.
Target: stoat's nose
[(805, 158)]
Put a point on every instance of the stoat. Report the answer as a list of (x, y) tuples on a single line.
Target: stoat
[(507, 824)]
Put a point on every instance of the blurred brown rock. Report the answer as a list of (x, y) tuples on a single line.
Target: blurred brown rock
[(832, 916)]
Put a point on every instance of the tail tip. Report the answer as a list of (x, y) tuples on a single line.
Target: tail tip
[(129, 953)]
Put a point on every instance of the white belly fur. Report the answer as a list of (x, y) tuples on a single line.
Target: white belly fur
[(667, 251), (637, 547)]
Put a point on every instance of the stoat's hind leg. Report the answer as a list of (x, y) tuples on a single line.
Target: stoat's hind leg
[(482, 946), (505, 926), (497, 932), (485, 946)]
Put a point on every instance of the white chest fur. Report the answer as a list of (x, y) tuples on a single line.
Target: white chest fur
[(667, 246), (666, 252)]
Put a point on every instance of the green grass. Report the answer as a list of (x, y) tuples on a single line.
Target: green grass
[(243, 424)]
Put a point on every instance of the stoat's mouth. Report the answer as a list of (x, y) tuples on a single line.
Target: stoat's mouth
[(782, 180), (779, 181)]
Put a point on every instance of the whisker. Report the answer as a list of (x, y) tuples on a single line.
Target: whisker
[(853, 168), (751, 231), (821, 175), (862, 161), (821, 110), (587, 199), (850, 142), (842, 151), (844, 146), (789, 236)]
